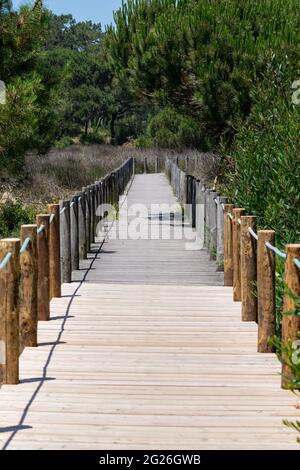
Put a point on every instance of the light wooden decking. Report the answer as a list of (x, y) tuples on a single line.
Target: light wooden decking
[(146, 350)]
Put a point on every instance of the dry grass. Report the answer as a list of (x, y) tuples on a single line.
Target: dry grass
[(61, 173), (204, 166)]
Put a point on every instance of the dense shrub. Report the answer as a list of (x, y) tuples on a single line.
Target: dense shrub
[(91, 138), (12, 216), (264, 170), (63, 142), (170, 129)]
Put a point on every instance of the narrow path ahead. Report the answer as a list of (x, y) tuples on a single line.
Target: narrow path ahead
[(146, 350)]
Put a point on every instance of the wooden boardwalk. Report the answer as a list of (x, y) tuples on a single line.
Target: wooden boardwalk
[(146, 350)]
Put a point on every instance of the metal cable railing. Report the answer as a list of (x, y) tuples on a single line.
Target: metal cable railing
[(272, 248), (5, 261), (25, 245), (40, 230)]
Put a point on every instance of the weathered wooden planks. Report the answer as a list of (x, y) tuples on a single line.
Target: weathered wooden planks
[(141, 356)]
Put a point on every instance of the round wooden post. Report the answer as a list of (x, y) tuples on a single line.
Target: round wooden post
[(114, 183), (266, 291), (9, 311), (207, 219), (99, 202), (74, 234), (97, 207), (65, 232), (92, 213), (107, 190), (82, 226), (221, 201), (186, 164), (228, 246), (43, 267), (156, 165), (29, 288), (200, 214), (104, 191), (248, 269), (213, 224), (54, 251), (237, 290), (86, 193), (110, 188), (290, 323)]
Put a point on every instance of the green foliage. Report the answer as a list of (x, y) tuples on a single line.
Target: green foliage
[(91, 138), (133, 125), (12, 216), (27, 120), (170, 129), (18, 122), (263, 174), (294, 426), (289, 355), (63, 142), (202, 57), (93, 96)]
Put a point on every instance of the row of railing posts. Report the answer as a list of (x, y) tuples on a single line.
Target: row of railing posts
[(34, 266), (247, 257)]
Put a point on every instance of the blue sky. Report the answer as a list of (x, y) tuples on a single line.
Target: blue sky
[(99, 11)]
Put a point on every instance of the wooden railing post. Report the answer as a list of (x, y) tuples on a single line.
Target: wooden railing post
[(110, 189), (228, 246), (86, 193), (156, 165), (290, 323), (43, 267), (74, 234), (221, 201), (28, 291), (200, 214), (193, 202), (107, 190), (65, 232), (98, 207), (9, 311), (82, 226), (237, 290), (207, 219), (92, 206), (248, 269), (54, 251), (112, 185), (115, 188), (266, 290), (213, 224)]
